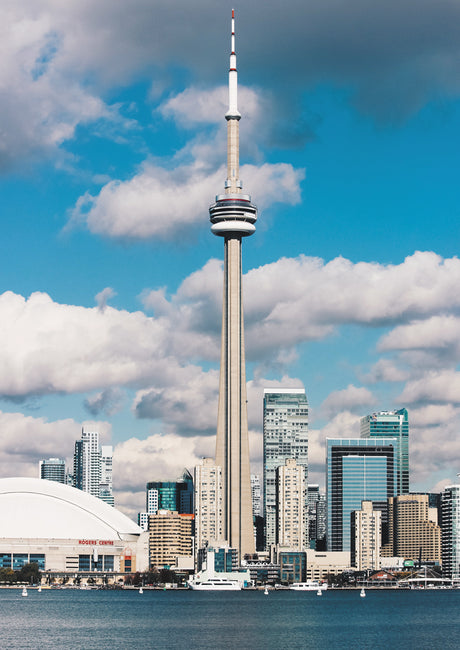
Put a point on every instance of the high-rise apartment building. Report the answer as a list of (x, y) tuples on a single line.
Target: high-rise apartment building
[(357, 469), (92, 467), (290, 505), (451, 532), (285, 436), (366, 533), (391, 424), (313, 498), (413, 531), (52, 469), (87, 463), (256, 494), (233, 217), (257, 510), (208, 504), (106, 486)]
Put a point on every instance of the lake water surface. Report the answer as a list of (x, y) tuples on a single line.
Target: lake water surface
[(249, 619)]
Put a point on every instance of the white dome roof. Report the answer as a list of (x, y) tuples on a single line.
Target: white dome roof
[(36, 508)]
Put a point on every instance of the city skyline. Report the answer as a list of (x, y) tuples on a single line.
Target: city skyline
[(111, 294)]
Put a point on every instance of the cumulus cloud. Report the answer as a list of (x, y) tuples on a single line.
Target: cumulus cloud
[(441, 387), (386, 370), (26, 440), (103, 297), (49, 347), (352, 398), (440, 333), (394, 57), (68, 348), (294, 300), (159, 203), (158, 457), (188, 407), (108, 401)]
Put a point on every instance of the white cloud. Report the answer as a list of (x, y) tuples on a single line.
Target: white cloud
[(158, 457), (441, 386), (439, 333), (188, 406), (26, 440), (108, 401), (201, 106), (49, 347), (385, 370), (163, 203), (103, 297), (351, 398)]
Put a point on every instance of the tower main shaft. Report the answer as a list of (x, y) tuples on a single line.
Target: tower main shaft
[(233, 217)]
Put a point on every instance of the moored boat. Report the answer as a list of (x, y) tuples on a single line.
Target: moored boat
[(215, 584), (309, 585)]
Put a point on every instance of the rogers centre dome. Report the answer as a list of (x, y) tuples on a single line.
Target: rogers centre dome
[(65, 527)]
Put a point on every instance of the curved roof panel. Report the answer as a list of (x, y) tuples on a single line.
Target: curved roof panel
[(37, 508)]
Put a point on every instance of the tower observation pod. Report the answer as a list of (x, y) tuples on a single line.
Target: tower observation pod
[(233, 217)]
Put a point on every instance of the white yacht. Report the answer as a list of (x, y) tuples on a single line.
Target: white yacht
[(215, 584), (310, 585), (209, 579), (24, 591)]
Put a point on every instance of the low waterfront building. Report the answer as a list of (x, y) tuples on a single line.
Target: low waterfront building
[(320, 564), (263, 572), (170, 537), (293, 566), (66, 530)]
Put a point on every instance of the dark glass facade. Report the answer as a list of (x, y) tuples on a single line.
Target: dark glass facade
[(357, 470), (392, 424)]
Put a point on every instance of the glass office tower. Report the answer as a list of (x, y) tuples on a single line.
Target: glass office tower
[(357, 470), (392, 424), (285, 436)]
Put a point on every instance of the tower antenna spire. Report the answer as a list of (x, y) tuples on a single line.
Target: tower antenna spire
[(233, 112)]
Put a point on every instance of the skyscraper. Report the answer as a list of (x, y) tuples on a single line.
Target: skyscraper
[(92, 467), (52, 469), (208, 503), (356, 470), (391, 424), (106, 486), (285, 436), (87, 463), (233, 217), (290, 505), (451, 532)]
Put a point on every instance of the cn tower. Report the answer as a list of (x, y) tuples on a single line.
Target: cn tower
[(233, 217)]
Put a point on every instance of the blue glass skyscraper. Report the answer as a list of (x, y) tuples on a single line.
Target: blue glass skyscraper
[(356, 470), (391, 424)]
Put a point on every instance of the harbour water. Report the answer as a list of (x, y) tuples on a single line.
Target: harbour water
[(183, 619)]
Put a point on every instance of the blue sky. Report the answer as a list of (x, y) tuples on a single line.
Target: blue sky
[(112, 147)]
